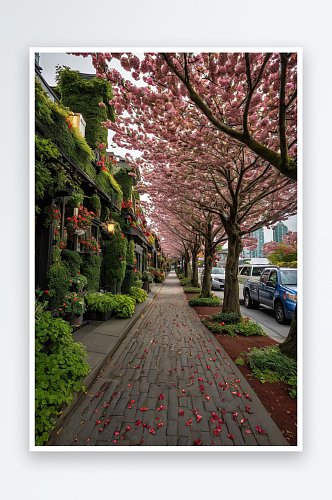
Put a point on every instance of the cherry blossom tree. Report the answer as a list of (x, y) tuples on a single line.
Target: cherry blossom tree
[(242, 191), (198, 227), (283, 253), (248, 97), (213, 102)]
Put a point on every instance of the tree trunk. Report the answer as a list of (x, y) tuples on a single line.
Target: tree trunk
[(194, 275), (186, 262), (289, 346), (231, 301), (208, 264)]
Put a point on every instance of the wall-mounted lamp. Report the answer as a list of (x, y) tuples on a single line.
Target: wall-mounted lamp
[(110, 226)]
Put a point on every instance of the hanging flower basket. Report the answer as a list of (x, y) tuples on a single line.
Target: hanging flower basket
[(81, 221), (91, 246)]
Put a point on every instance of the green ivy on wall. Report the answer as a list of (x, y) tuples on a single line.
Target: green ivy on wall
[(125, 181), (83, 96), (95, 202), (107, 182), (56, 128)]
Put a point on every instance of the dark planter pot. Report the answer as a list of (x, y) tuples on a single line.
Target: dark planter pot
[(91, 252), (98, 316), (72, 320), (146, 286), (118, 288)]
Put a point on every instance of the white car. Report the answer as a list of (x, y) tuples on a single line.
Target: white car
[(218, 278)]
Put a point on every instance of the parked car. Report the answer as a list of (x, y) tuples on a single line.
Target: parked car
[(218, 278), (252, 271), (277, 288)]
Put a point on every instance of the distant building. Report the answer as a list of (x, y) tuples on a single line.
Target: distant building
[(259, 234), (279, 232), (245, 254)]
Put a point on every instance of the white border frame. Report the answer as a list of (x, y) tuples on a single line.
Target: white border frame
[(117, 449)]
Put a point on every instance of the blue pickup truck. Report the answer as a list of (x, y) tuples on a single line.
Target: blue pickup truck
[(277, 288)]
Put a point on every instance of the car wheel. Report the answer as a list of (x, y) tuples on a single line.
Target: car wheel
[(247, 300), (279, 313)]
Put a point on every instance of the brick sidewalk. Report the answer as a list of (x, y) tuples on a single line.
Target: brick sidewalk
[(153, 378)]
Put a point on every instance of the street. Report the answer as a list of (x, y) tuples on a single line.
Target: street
[(263, 315)]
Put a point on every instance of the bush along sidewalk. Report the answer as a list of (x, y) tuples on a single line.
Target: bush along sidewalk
[(209, 301), (122, 305), (269, 364), (60, 368)]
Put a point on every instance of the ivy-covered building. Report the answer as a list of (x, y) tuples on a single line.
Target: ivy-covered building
[(88, 216)]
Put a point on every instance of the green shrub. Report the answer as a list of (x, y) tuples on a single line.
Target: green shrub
[(239, 361), (59, 370), (72, 261), (269, 364), (58, 277), (210, 301), (185, 281), (217, 328), (138, 294), (138, 283), (115, 252), (232, 330), (128, 281), (191, 289), (228, 318), (248, 328), (91, 269), (101, 302), (78, 283), (124, 305)]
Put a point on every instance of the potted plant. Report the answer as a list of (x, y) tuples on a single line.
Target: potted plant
[(146, 281), (100, 306), (72, 309)]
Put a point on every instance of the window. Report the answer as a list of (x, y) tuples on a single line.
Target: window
[(265, 276), (288, 277), (273, 277), (218, 270), (257, 271), (245, 271)]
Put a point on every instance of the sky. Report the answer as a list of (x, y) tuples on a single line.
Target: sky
[(49, 61)]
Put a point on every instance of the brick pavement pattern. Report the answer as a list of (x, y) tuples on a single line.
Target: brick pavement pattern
[(170, 383)]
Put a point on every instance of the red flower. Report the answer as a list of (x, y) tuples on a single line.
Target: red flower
[(46, 291)]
